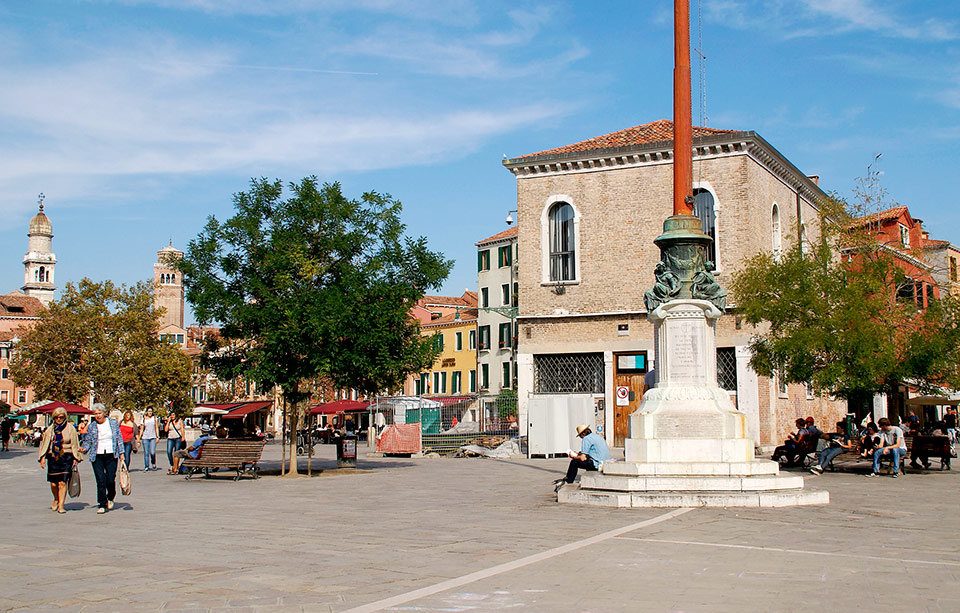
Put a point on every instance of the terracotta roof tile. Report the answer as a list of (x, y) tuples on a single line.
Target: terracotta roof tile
[(508, 233), (16, 304), (935, 243), (468, 299), (887, 215), (466, 316), (653, 132)]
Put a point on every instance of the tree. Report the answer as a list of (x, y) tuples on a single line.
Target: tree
[(314, 284), (102, 338), (831, 316)]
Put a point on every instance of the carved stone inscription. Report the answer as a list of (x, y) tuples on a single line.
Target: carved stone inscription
[(688, 426), (684, 350)]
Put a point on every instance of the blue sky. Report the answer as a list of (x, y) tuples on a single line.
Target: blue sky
[(139, 118)]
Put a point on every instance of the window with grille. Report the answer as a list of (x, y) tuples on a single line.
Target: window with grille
[(578, 373), (727, 368)]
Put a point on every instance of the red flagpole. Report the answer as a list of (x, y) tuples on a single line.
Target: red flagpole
[(682, 125)]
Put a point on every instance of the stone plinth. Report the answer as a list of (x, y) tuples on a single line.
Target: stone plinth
[(688, 444)]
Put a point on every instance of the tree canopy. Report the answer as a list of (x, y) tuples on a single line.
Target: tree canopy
[(102, 338), (829, 314), (312, 285)]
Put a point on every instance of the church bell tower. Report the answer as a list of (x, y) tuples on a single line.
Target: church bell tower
[(39, 261)]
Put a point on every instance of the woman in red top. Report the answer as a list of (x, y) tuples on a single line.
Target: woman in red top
[(128, 430)]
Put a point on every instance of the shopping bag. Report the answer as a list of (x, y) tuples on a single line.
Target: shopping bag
[(124, 478), (73, 486)]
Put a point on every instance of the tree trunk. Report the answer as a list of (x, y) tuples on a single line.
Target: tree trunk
[(294, 426), (283, 439)]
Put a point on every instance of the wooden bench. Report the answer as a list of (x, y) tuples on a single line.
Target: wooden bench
[(930, 447), (234, 454)]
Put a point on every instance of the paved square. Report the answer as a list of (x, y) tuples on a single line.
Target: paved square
[(466, 535)]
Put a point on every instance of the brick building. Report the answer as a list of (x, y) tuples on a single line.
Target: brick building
[(587, 217)]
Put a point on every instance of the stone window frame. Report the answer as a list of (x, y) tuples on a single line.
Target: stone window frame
[(717, 218), (545, 240), (776, 231)]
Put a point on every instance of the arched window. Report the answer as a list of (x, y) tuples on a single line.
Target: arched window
[(47, 278), (703, 207), (173, 278), (41, 274), (36, 275), (563, 265), (775, 231)]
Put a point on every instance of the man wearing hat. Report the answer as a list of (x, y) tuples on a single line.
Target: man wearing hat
[(593, 451)]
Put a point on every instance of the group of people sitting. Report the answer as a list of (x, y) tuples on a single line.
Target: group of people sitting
[(879, 441)]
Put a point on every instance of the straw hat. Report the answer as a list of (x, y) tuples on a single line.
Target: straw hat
[(581, 428)]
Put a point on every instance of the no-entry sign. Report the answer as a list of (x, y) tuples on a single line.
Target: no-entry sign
[(623, 395)]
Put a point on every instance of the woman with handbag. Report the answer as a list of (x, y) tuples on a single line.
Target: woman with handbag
[(103, 444), (60, 452), (174, 430)]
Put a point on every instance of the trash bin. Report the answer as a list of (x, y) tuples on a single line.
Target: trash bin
[(347, 451)]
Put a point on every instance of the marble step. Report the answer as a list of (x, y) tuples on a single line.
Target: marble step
[(571, 494), (684, 483), (742, 469)]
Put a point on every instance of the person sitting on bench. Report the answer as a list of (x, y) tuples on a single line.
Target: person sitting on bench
[(789, 447), (193, 451), (838, 442), (892, 444)]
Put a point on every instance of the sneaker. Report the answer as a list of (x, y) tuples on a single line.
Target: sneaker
[(816, 470), (101, 511), (109, 505), (872, 475), (895, 475)]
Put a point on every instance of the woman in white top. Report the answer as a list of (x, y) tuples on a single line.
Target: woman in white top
[(174, 430), (149, 433), (103, 445)]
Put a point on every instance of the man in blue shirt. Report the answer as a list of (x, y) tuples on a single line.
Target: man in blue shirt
[(593, 451), (193, 451)]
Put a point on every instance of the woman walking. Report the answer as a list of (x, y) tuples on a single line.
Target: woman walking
[(128, 431), (149, 433), (174, 430), (60, 452), (103, 444)]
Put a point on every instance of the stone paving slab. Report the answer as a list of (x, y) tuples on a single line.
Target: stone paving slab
[(342, 540)]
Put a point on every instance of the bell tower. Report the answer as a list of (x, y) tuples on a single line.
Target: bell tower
[(168, 286), (39, 261)]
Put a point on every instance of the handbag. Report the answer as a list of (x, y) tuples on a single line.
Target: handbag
[(73, 485), (124, 478)]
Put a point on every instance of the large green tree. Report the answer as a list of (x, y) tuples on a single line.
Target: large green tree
[(833, 314), (103, 338), (310, 283)]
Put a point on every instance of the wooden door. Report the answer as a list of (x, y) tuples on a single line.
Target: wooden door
[(629, 372)]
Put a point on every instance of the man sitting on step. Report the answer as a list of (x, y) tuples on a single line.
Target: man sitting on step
[(593, 451)]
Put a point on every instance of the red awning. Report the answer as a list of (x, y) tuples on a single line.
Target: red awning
[(47, 409), (339, 406), (246, 408)]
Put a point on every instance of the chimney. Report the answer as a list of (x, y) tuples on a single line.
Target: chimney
[(815, 179)]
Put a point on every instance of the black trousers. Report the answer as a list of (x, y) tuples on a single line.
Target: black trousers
[(575, 465), (105, 472)]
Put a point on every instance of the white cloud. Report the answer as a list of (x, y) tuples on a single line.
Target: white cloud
[(164, 109), (807, 18)]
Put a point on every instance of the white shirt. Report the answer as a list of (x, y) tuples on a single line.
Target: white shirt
[(104, 438)]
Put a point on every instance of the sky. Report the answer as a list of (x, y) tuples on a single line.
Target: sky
[(138, 119)]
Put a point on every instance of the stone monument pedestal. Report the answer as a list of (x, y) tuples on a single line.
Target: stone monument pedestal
[(688, 444)]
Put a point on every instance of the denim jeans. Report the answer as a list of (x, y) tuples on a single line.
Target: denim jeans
[(149, 452), (172, 445), (827, 455), (105, 472), (127, 450), (897, 453), (575, 465)]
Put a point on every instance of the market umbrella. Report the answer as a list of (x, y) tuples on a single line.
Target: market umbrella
[(46, 409)]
